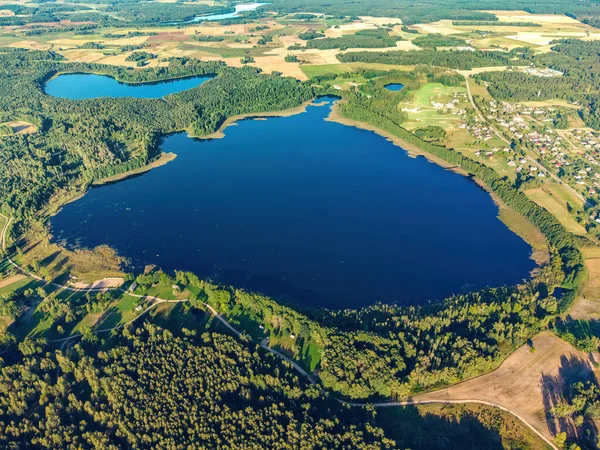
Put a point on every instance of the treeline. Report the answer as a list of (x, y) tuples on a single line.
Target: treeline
[(453, 59), (577, 60), (93, 137), (432, 41), (475, 23), (361, 39), (153, 389)]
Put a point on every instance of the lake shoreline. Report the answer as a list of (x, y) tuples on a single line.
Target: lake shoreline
[(163, 159), (538, 255), (232, 121)]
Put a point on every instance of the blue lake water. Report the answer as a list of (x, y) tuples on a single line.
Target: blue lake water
[(236, 13), (78, 86), (306, 209), (394, 86)]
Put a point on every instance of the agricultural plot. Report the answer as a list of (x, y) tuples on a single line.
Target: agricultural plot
[(434, 105), (556, 205)]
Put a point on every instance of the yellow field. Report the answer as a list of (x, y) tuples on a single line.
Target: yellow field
[(556, 206), (587, 305), (525, 381)]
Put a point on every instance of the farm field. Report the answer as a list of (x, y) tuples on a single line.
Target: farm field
[(556, 206), (527, 381)]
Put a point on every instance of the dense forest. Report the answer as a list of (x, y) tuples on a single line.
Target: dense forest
[(453, 59), (430, 11), (81, 140), (377, 38), (152, 389)]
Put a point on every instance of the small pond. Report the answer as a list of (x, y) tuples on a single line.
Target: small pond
[(394, 86)]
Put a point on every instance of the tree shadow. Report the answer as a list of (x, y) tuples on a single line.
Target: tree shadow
[(49, 259), (455, 428), (557, 389), (109, 319)]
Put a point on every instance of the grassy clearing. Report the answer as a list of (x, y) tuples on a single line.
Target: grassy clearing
[(526, 230), (587, 305), (556, 206), (52, 262), (422, 112), (479, 90), (20, 283)]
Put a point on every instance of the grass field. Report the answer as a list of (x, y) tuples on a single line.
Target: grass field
[(422, 113), (557, 206), (528, 231), (587, 304)]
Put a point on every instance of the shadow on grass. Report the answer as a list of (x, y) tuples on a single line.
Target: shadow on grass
[(559, 389), (111, 318)]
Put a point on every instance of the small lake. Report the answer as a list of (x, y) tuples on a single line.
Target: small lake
[(299, 207), (394, 86), (238, 9), (79, 86)]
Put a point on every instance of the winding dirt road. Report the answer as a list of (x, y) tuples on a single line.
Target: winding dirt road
[(158, 301)]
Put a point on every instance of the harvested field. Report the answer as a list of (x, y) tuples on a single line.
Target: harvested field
[(10, 280), (522, 16), (105, 283), (20, 127), (528, 383), (381, 21)]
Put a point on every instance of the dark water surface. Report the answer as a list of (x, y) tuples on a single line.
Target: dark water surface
[(326, 214), (78, 86)]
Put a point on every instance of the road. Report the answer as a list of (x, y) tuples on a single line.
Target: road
[(263, 344), (534, 161)]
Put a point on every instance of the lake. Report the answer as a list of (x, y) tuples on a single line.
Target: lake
[(306, 209), (231, 15), (394, 86), (78, 86)]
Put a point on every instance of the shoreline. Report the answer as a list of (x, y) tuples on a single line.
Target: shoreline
[(162, 160), (233, 120), (538, 255)]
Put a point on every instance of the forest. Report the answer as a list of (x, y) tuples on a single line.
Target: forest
[(82, 140), (227, 393), (152, 389), (378, 38), (453, 59), (578, 62)]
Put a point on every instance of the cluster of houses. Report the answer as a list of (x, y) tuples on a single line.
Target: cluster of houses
[(478, 129), (545, 72)]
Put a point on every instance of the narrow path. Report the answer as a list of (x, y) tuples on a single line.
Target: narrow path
[(504, 139), (263, 344)]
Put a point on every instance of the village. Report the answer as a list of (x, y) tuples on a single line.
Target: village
[(546, 134)]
